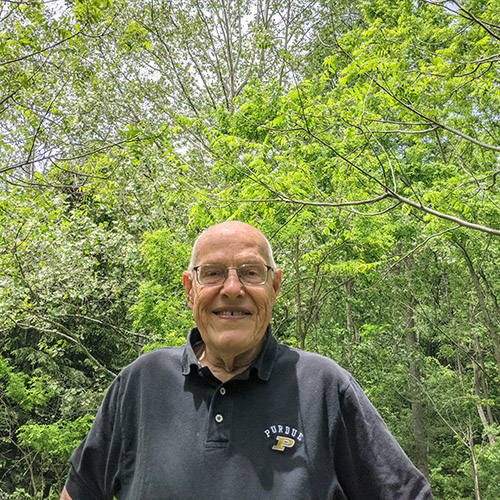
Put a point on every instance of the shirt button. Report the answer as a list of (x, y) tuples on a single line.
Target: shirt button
[(219, 418), (222, 391)]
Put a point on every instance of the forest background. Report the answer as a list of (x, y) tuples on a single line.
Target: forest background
[(362, 137)]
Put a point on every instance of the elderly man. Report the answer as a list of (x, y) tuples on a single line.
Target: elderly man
[(232, 414)]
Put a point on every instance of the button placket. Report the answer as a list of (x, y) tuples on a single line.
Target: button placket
[(219, 419)]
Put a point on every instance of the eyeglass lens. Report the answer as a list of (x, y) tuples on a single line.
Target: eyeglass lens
[(249, 274)]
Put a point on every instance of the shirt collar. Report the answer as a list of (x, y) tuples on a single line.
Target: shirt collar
[(263, 363)]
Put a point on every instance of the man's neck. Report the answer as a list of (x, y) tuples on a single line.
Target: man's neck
[(225, 366)]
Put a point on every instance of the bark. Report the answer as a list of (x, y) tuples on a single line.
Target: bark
[(477, 390), (477, 360), (490, 324), (351, 327), (477, 494), (417, 411), (298, 324)]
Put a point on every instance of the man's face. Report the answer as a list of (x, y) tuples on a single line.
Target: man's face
[(232, 318)]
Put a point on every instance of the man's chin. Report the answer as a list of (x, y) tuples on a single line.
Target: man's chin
[(235, 338)]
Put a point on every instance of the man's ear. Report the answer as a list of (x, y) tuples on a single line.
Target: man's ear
[(277, 281), (187, 283)]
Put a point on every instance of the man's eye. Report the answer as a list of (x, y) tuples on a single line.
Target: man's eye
[(251, 273), (212, 273)]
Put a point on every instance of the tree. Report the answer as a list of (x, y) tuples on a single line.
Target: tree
[(362, 139)]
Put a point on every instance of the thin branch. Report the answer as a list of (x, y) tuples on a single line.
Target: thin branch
[(450, 218), (41, 51), (316, 203), (406, 132), (471, 17), (77, 157), (63, 332), (392, 207), (413, 250), (476, 181), (99, 322), (435, 122)]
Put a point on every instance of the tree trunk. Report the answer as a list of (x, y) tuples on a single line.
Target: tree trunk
[(298, 324), (490, 324), (479, 371), (477, 494), (477, 390), (351, 327), (417, 411)]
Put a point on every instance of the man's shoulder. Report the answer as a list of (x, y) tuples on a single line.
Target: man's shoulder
[(316, 377), (311, 363), (307, 356), (160, 359)]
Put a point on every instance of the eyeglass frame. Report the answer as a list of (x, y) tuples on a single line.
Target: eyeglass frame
[(236, 268)]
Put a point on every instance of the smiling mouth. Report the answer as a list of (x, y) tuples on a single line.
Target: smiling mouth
[(231, 313)]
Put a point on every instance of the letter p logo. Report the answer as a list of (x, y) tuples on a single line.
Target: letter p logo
[(283, 442)]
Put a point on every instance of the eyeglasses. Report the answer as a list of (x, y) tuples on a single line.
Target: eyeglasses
[(248, 274)]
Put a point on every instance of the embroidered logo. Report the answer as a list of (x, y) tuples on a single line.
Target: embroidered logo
[(283, 436)]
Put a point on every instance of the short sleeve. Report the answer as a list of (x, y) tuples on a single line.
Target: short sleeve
[(95, 464), (373, 465)]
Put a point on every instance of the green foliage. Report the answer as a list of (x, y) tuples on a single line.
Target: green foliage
[(362, 138), (25, 391), (170, 340), (54, 441), (489, 466), (160, 311)]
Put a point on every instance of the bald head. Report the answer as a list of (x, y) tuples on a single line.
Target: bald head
[(236, 230)]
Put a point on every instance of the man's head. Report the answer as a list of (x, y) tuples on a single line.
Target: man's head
[(232, 317)]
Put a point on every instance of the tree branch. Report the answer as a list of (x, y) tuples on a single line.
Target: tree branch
[(435, 122)]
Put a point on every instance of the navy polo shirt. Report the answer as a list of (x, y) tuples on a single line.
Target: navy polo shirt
[(293, 426)]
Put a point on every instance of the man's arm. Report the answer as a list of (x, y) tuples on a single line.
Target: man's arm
[(65, 495)]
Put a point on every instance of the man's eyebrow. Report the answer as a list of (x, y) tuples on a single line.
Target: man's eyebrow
[(242, 263)]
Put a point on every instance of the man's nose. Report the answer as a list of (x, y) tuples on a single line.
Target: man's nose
[(232, 283)]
